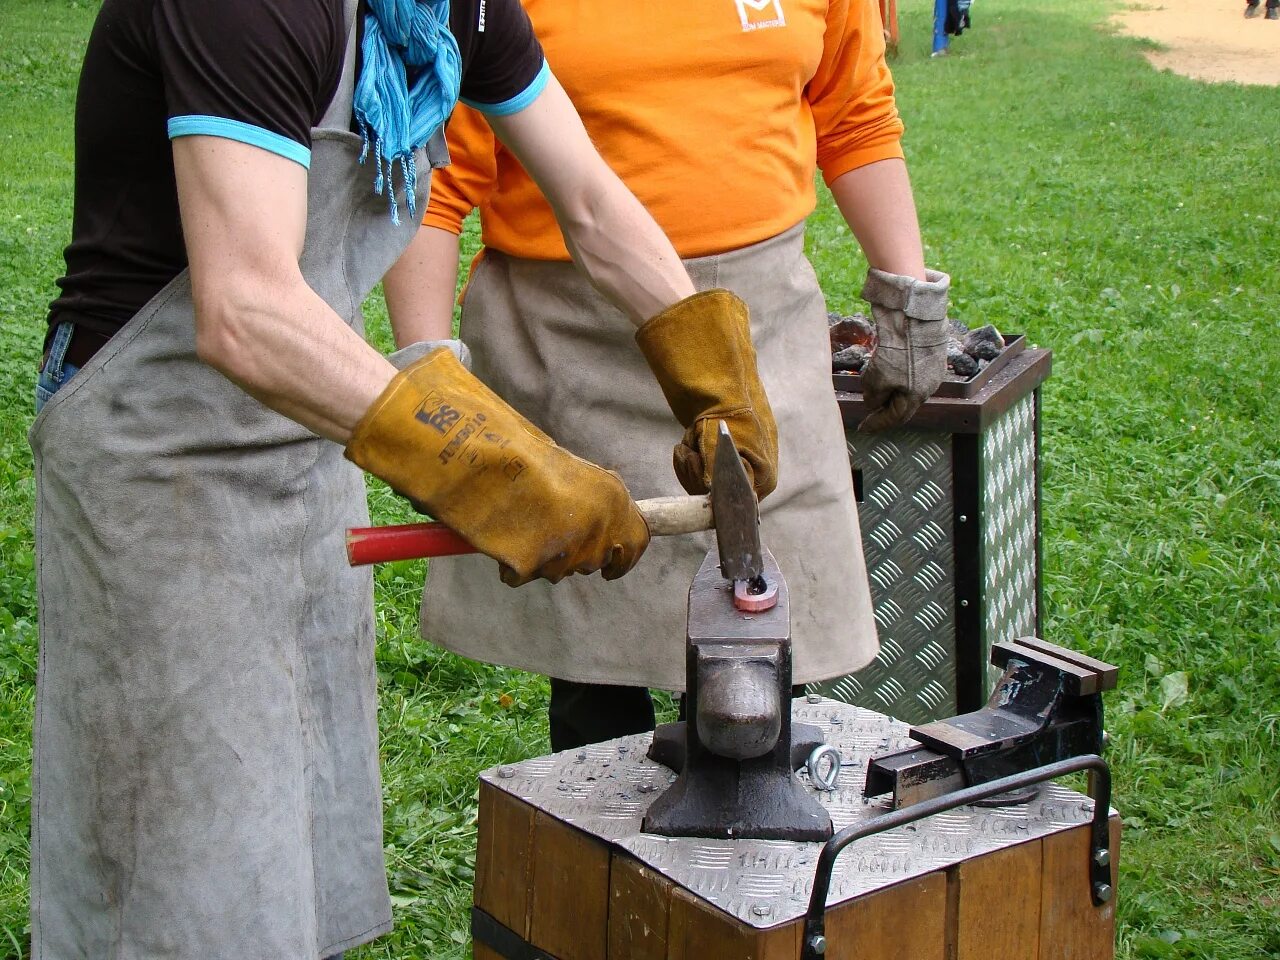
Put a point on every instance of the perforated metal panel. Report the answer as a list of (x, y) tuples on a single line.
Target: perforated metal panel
[(906, 519)]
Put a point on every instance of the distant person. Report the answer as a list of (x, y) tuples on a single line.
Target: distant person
[(1254, 7)]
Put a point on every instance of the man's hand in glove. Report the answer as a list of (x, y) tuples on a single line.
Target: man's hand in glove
[(700, 351), (443, 439), (911, 345)]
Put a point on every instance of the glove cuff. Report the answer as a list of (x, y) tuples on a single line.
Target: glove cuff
[(684, 324), (923, 300), (675, 345), (407, 356)]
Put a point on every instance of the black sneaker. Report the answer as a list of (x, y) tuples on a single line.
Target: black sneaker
[(1273, 13), (1252, 10)]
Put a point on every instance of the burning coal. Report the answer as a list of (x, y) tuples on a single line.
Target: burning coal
[(853, 340)]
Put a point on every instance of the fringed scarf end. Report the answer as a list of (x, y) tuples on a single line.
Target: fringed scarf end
[(408, 86)]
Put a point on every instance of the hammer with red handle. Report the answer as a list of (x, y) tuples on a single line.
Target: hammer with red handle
[(731, 509), (666, 516)]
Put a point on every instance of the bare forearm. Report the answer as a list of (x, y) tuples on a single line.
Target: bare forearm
[(420, 288), (287, 348), (608, 233), (876, 202), (244, 217), (622, 250)]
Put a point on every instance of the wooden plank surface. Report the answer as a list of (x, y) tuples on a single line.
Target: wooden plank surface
[(639, 910), (1071, 927), (569, 909), (480, 952), (698, 931), (504, 845), (996, 914), (903, 922), (560, 890)]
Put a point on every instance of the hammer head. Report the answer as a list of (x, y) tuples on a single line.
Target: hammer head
[(736, 512)]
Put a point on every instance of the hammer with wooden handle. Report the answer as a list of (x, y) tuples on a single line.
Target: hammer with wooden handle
[(666, 516)]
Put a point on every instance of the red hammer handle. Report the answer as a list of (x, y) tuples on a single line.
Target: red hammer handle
[(408, 541), (666, 516)]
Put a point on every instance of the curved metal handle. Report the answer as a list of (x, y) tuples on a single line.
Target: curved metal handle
[(815, 941)]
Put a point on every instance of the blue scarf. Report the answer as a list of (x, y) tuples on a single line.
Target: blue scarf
[(407, 88)]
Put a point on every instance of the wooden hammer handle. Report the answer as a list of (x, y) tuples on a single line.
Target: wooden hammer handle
[(666, 516)]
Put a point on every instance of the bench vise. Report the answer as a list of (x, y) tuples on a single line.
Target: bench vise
[(1046, 707)]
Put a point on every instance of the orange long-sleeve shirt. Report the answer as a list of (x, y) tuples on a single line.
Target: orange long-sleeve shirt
[(714, 112)]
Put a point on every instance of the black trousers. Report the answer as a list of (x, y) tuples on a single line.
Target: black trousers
[(583, 713)]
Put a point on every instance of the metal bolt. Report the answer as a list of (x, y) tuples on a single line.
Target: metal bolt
[(506, 773), (963, 518), (760, 910), (814, 697), (964, 603), (1102, 892), (818, 943), (1102, 857)]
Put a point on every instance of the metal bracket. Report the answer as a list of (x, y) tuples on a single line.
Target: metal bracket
[(1099, 865)]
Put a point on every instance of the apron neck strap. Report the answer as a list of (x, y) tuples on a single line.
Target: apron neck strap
[(339, 113)]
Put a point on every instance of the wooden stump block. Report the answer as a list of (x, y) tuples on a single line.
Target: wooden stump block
[(579, 899), (564, 872)]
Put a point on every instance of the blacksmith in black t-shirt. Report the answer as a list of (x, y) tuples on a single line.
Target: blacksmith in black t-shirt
[(258, 73), (206, 761)]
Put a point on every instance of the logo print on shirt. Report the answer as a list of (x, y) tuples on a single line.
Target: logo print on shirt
[(480, 27), (758, 14)]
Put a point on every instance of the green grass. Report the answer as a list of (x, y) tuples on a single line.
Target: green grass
[(1126, 218)]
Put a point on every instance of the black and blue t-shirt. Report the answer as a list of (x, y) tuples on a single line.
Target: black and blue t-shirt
[(259, 72)]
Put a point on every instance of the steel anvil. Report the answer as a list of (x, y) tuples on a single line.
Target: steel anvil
[(737, 752)]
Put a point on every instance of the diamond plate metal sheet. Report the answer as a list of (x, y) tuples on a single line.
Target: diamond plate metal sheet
[(1009, 535), (605, 789), (906, 523)]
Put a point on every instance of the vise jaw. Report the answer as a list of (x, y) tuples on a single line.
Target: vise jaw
[(1046, 707), (736, 754)]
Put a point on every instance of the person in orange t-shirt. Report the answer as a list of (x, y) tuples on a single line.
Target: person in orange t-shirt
[(715, 115)]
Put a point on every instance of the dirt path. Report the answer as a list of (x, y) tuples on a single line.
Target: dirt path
[(1208, 39)]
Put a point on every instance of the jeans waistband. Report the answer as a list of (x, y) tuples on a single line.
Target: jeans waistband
[(56, 356), (77, 346)]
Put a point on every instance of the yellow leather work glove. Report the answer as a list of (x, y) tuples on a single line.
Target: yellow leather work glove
[(442, 438), (701, 354)]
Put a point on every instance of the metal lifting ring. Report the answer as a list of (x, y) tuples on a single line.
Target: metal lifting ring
[(824, 781)]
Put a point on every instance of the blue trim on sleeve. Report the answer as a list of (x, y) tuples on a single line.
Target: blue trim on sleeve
[(197, 125), (519, 101)]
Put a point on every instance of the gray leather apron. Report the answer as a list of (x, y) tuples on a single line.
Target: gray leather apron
[(206, 764), (549, 344)]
